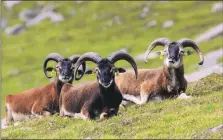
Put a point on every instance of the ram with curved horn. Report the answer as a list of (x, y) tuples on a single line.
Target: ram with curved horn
[(43, 101), (167, 81), (101, 97)]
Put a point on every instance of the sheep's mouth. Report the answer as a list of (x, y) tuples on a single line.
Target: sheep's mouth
[(171, 61), (65, 78), (106, 85)]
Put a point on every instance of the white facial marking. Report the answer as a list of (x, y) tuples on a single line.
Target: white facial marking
[(64, 80), (175, 64), (107, 85)]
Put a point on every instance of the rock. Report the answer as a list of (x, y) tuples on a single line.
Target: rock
[(217, 7), (144, 12), (17, 29), (73, 13), (216, 129), (168, 24), (54, 17), (10, 4), (213, 32), (110, 23), (151, 23), (3, 23), (146, 9), (40, 17), (143, 15), (48, 8), (118, 20), (28, 14), (14, 72)]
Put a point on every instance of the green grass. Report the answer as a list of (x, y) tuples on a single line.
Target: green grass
[(190, 119), (82, 33)]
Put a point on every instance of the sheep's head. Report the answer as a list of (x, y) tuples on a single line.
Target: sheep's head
[(174, 51), (105, 69), (64, 68)]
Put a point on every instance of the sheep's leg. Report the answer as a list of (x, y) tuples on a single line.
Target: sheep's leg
[(39, 112), (9, 117), (113, 111), (143, 98), (105, 113)]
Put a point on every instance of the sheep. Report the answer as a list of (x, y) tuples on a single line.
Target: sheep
[(43, 101), (167, 81), (97, 98)]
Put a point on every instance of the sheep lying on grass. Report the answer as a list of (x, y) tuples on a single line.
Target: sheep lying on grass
[(43, 101), (101, 97), (165, 82)]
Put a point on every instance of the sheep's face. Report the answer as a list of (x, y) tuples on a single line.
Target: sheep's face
[(173, 55), (105, 72), (65, 70)]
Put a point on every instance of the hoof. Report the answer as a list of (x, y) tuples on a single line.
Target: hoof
[(103, 116)]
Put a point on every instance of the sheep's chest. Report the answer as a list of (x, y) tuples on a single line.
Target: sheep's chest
[(173, 85)]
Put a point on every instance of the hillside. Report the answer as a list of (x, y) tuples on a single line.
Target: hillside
[(182, 119), (104, 27)]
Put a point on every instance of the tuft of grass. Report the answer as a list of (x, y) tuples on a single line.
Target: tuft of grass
[(190, 119)]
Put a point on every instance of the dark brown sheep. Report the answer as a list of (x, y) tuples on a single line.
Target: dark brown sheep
[(101, 97)]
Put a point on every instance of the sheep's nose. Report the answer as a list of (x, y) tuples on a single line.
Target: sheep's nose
[(173, 58)]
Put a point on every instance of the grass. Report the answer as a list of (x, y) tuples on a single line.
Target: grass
[(190, 119), (89, 30)]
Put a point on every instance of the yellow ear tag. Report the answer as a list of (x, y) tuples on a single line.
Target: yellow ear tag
[(117, 73), (161, 56), (92, 74), (53, 73)]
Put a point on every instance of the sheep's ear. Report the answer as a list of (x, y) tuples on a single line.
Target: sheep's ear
[(121, 70), (158, 53), (89, 71)]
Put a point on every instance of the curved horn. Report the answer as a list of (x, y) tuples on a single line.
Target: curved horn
[(189, 43), (52, 56), (122, 55), (160, 41), (74, 59), (89, 56)]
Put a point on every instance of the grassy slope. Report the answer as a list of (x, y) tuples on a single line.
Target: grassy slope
[(82, 33), (190, 118)]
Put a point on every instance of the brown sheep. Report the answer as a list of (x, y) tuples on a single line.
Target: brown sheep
[(157, 84), (43, 101)]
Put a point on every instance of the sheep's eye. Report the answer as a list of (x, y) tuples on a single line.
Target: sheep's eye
[(182, 52), (112, 70)]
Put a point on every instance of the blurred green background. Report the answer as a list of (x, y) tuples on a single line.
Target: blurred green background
[(102, 27)]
